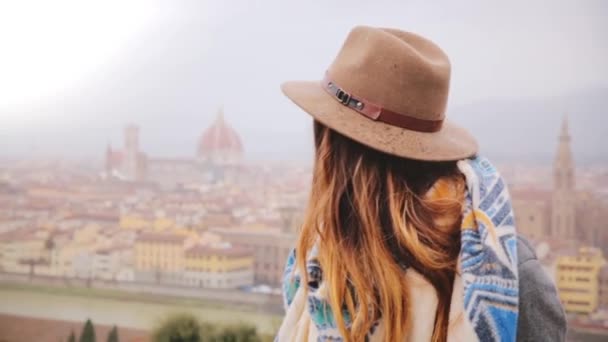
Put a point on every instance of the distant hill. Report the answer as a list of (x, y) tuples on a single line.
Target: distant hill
[(527, 129)]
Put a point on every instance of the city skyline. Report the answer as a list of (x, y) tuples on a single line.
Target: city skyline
[(215, 228), (530, 144)]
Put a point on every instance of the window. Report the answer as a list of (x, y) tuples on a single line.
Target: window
[(576, 302), (574, 290)]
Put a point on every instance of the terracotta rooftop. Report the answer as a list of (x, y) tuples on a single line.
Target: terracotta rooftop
[(161, 238), (235, 251), (220, 136), (19, 234), (108, 250), (113, 217)]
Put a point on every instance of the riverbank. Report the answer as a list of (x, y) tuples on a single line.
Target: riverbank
[(110, 307), (150, 292), (23, 329), (123, 296), (141, 312)]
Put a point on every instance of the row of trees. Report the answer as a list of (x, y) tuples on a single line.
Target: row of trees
[(187, 328), (180, 328), (88, 334)]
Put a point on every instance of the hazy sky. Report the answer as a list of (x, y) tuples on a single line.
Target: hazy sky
[(72, 74)]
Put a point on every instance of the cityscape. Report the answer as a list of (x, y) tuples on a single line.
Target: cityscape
[(212, 227), (154, 178), (216, 228)]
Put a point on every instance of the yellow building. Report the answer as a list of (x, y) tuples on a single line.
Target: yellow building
[(578, 280), (604, 287), (218, 267), (88, 234), (143, 222), (270, 247), (159, 257), (21, 251), (72, 250)]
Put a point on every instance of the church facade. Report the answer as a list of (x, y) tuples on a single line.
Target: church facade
[(562, 214)]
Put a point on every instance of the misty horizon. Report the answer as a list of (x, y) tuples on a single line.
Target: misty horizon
[(175, 64)]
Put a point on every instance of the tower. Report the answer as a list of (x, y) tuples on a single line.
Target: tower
[(563, 200), (131, 152)]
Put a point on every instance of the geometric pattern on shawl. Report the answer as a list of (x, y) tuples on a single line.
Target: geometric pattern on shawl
[(488, 253)]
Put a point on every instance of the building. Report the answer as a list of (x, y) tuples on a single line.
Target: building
[(220, 144), (21, 251), (170, 173), (532, 208), (221, 267), (219, 156), (74, 257), (113, 263), (562, 212), (578, 280), (220, 152), (270, 248), (159, 257), (604, 287), (592, 219), (139, 221), (129, 163), (563, 207)]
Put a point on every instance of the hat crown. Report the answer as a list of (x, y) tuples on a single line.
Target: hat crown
[(397, 70)]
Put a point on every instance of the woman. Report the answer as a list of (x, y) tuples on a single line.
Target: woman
[(408, 235)]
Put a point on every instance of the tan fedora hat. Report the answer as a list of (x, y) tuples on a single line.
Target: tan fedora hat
[(387, 89)]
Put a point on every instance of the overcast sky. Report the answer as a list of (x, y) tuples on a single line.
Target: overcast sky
[(73, 73)]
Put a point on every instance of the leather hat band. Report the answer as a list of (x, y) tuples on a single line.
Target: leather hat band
[(376, 112)]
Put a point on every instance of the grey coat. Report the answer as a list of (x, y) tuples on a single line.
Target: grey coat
[(541, 316)]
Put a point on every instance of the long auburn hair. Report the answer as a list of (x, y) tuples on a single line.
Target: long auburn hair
[(370, 213)]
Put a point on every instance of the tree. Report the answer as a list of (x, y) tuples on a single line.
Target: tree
[(240, 333), (113, 335), (88, 332), (179, 328), (187, 328), (72, 337)]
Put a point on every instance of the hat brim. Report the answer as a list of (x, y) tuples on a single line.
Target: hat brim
[(452, 142)]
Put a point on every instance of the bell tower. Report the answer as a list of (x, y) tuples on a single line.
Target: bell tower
[(131, 151), (563, 201)]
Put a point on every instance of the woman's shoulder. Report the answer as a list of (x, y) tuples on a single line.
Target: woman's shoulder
[(541, 316), (525, 251), (532, 274)]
